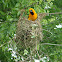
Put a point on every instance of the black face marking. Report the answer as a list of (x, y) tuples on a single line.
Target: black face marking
[(31, 12)]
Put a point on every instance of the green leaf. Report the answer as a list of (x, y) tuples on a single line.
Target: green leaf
[(25, 52)]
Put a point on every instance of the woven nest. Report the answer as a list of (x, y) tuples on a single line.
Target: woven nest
[(28, 34)]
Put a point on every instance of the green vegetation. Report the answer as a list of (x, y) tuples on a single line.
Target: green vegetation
[(50, 47)]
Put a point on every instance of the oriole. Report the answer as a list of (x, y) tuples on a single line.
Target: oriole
[(33, 15)]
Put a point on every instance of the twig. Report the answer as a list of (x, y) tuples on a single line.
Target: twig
[(51, 13), (42, 15), (54, 13), (51, 44)]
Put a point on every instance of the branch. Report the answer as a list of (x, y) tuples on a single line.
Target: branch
[(44, 14), (54, 13), (41, 15), (51, 44)]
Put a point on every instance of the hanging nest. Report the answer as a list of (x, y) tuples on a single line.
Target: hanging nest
[(28, 34)]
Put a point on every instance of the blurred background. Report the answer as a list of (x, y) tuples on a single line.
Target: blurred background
[(51, 45)]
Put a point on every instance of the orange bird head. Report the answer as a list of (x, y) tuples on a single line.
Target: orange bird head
[(33, 15)]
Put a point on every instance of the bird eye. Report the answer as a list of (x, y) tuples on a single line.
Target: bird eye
[(30, 10)]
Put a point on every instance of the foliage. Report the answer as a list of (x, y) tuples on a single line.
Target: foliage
[(9, 14)]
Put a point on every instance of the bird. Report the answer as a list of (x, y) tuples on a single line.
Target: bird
[(32, 15)]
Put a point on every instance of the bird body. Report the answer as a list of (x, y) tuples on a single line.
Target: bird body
[(33, 15)]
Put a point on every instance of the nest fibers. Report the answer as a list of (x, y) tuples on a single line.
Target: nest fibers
[(28, 34)]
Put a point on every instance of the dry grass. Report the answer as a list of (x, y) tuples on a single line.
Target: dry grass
[(28, 34)]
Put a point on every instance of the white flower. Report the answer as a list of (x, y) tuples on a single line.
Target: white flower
[(14, 55), (47, 7), (44, 59), (59, 26), (10, 49), (37, 60)]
